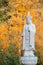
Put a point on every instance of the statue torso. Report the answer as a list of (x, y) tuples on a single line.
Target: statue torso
[(28, 35)]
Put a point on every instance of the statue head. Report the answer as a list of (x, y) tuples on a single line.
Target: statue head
[(28, 18)]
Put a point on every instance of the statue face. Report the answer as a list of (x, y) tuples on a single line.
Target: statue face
[(28, 20)]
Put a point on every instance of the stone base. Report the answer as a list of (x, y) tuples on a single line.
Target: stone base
[(28, 64), (29, 60)]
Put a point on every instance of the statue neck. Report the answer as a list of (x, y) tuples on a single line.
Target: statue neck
[(29, 23)]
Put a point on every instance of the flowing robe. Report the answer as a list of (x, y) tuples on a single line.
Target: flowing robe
[(28, 37)]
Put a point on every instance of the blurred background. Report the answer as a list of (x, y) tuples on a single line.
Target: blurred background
[(12, 20)]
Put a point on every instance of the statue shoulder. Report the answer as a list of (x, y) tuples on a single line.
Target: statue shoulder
[(33, 25), (25, 25)]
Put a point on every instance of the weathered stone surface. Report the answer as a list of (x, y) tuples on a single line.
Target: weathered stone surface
[(28, 42)]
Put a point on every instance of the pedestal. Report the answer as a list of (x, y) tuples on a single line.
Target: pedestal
[(29, 58)]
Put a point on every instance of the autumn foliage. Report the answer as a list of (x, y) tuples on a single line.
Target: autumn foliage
[(12, 20)]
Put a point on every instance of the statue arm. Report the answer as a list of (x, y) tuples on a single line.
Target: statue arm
[(34, 29), (31, 34), (23, 33)]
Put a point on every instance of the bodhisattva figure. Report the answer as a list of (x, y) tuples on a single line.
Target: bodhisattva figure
[(28, 46)]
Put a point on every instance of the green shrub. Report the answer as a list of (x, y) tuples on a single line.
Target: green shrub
[(40, 57), (3, 3), (9, 56)]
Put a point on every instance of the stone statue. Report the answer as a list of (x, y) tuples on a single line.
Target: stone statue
[(28, 35)]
